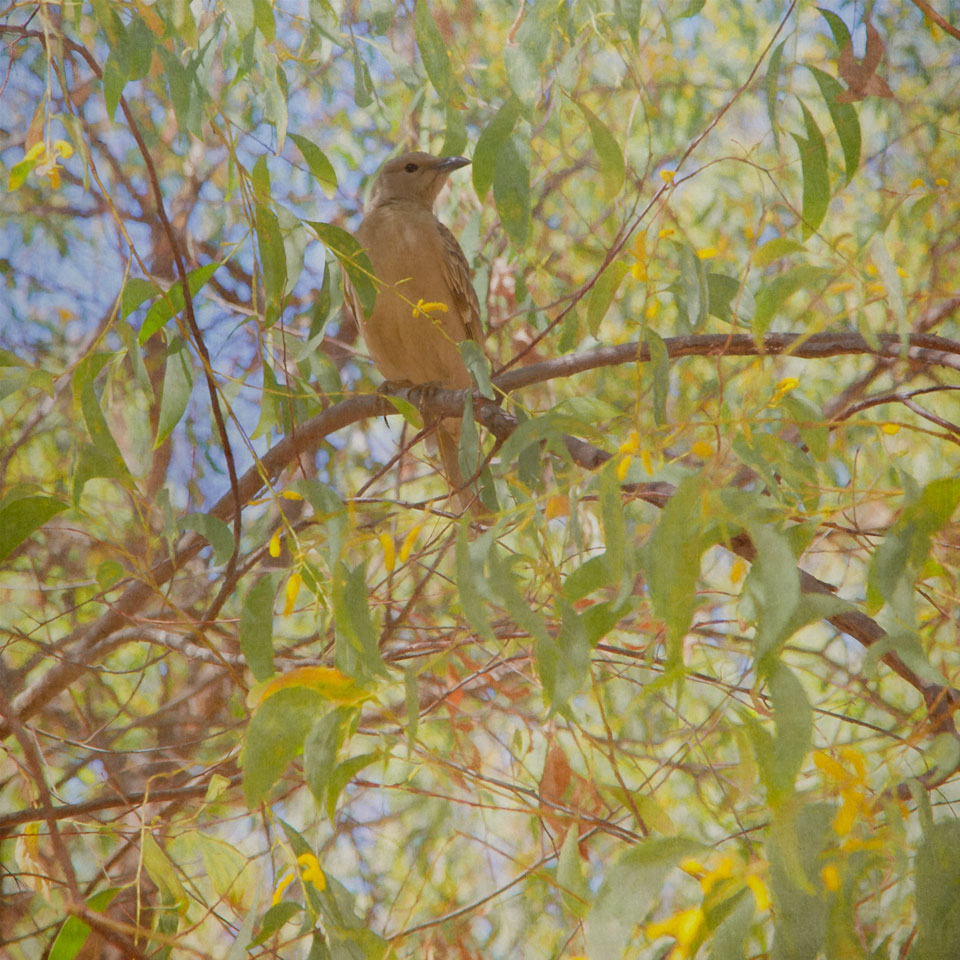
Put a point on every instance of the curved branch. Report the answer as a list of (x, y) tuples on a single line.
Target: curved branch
[(96, 639)]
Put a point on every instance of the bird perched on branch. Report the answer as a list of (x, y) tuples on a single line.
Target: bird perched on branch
[(425, 302)]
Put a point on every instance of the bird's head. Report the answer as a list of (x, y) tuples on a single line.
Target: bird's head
[(414, 176)]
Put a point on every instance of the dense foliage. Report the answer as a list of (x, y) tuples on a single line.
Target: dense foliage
[(688, 691)]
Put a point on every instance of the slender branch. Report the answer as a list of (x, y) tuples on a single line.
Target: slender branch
[(924, 347)]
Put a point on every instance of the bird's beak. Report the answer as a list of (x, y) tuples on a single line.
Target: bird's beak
[(449, 164)]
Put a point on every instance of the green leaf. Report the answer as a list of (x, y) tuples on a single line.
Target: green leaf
[(214, 530), (800, 909), (609, 152), (841, 35), (619, 560), (774, 586), (108, 572), (476, 362), (469, 572), (503, 584), (775, 249), (135, 291), (114, 80), (241, 13), (223, 864), (177, 386), (162, 871), (695, 293), (342, 774), (629, 14), (726, 294), (602, 294), (140, 44), (274, 919), (433, 49), (897, 561), (809, 420), (793, 720), (729, 938), (320, 167), (273, 260), (357, 640), (264, 19), (660, 371), (511, 192), (630, 889), (74, 932), (816, 180), (171, 302), (256, 626), (101, 458), (455, 133), (908, 648), (573, 885), (275, 736), (362, 81), (351, 257), (937, 887), (20, 171), (524, 58), (320, 752), (489, 144), (19, 518), (845, 120), (468, 451), (563, 661), (774, 295), (588, 578), (772, 83), (671, 559)]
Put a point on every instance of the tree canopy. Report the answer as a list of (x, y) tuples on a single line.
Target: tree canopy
[(688, 691)]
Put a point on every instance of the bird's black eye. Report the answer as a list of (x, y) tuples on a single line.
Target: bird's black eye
[(410, 168)]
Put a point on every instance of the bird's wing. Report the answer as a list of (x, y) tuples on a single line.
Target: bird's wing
[(456, 273)]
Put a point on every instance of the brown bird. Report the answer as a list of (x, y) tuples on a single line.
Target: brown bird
[(425, 303)]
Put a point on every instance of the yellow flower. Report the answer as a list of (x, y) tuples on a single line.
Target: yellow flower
[(408, 541), (761, 896), (722, 871), (919, 182), (274, 548), (311, 872), (622, 467), (631, 444), (782, 389), (647, 461), (702, 449), (890, 428), (707, 253), (557, 506), (737, 569), (293, 588), (639, 270), (684, 927), (425, 308), (831, 877), (667, 175), (282, 885), (941, 181), (389, 551)]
